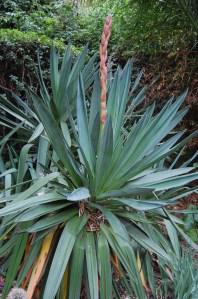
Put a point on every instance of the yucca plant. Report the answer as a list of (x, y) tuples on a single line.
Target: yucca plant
[(180, 278), (80, 220)]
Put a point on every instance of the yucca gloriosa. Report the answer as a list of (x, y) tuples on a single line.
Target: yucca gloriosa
[(83, 218)]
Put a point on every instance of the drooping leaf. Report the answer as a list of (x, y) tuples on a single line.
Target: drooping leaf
[(79, 194), (37, 132), (52, 220), (39, 211)]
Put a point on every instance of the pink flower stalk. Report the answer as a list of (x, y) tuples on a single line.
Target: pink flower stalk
[(103, 67)]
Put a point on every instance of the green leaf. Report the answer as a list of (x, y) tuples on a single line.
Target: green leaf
[(37, 132), (52, 220), (66, 133), (18, 113), (5, 139), (127, 191), (89, 71), (8, 245), (57, 139), (63, 91), (144, 140), (92, 268), (95, 102), (142, 205), (150, 273), (10, 171), (62, 255), (158, 154), (94, 115), (77, 267), (82, 121), (73, 76), (36, 186), (20, 204), (104, 156), (39, 211), (14, 262), (25, 107), (104, 267), (172, 233), (122, 99), (159, 176), (54, 57), (79, 194), (22, 167), (146, 241), (174, 182), (181, 232), (29, 261), (42, 155), (124, 250), (43, 89)]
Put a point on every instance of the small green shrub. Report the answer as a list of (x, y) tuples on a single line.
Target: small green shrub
[(14, 35)]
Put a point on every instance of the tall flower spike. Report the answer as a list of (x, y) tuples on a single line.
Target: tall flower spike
[(103, 67)]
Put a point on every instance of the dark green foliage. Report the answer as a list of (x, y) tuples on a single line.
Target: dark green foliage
[(190, 8), (49, 19), (26, 28), (139, 26), (12, 12), (26, 5), (144, 26), (18, 61)]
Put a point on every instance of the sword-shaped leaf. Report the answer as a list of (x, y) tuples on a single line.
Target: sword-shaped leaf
[(83, 130), (92, 267), (104, 267), (77, 264), (62, 255)]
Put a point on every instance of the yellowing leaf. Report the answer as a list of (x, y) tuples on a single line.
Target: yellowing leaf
[(139, 265), (38, 268)]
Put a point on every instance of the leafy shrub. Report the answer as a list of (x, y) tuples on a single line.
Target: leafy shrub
[(14, 35), (142, 26), (146, 27), (49, 19), (12, 11)]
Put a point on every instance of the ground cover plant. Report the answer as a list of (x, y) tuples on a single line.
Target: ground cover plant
[(86, 202)]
